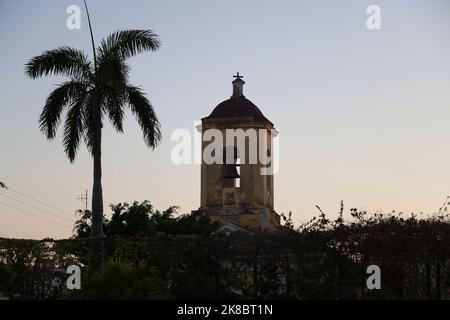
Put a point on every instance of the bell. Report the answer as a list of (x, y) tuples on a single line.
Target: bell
[(231, 172)]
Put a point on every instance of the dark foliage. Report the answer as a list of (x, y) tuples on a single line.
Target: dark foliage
[(153, 255), (142, 220)]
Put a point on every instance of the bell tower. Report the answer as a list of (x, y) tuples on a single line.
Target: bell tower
[(237, 186)]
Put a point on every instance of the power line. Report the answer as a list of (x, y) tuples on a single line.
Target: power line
[(31, 206), (39, 201), (30, 214)]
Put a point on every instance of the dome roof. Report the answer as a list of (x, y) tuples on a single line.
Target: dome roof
[(237, 107)]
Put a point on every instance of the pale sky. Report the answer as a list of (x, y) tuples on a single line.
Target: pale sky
[(363, 115)]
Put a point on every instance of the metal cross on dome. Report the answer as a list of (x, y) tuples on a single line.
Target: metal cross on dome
[(237, 76)]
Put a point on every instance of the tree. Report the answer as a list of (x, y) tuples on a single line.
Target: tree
[(119, 280), (96, 89), (140, 219)]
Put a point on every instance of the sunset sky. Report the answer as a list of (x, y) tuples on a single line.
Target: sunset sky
[(363, 116)]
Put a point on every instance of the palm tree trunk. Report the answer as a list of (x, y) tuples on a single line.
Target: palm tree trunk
[(98, 253)]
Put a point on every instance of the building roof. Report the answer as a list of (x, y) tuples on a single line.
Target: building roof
[(228, 227), (237, 107)]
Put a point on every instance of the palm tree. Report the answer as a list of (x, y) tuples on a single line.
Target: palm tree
[(95, 89)]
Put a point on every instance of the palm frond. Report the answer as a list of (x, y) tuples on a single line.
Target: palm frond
[(64, 61), (95, 91), (55, 103), (111, 68), (92, 119), (115, 100), (128, 43), (145, 115), (73, 127), (112, 75)]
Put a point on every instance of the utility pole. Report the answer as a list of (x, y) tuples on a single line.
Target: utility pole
[(84, 197)]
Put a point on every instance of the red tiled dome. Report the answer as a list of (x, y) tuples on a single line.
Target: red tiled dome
[(237, 107)]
